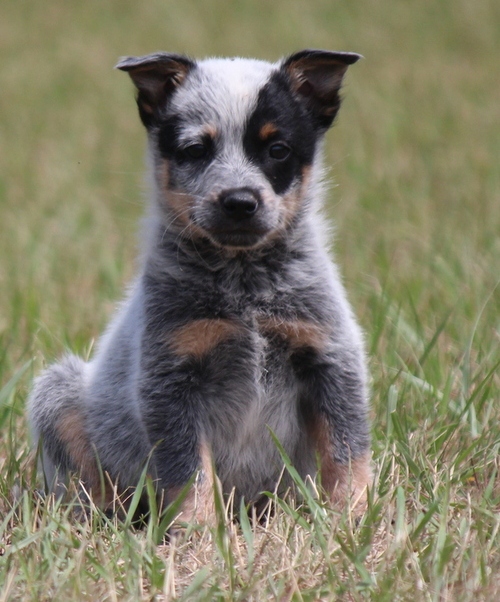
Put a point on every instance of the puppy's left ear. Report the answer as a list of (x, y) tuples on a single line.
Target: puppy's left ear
[(156, 76), (316, 77)]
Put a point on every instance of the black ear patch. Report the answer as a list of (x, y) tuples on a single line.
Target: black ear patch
[(316, 77), (155, 76)]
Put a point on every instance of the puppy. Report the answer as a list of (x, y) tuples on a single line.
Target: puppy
[(237, 324)]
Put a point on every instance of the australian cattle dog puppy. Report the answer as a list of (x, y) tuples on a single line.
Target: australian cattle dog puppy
[(237, 324)]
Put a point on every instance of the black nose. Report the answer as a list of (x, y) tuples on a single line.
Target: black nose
[(239, 203)]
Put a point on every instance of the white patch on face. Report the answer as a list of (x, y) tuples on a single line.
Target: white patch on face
[(244, 76), (222, 92)]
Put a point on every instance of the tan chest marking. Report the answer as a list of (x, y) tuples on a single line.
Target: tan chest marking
[(199, 337), (298, 333)]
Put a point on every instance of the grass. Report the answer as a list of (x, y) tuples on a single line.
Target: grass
[(417, 212)]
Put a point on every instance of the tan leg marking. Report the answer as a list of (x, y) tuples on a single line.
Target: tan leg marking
[(342, 482), (71, 431), (199, 337), (198, 506), (298, 333)]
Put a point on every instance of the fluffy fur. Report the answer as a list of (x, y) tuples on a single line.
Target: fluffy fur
[(237, 322)]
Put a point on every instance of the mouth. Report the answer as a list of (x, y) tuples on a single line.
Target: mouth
[(243, 237)]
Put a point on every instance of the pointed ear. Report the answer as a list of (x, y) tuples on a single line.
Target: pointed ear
[(316, 77), (155, 76)]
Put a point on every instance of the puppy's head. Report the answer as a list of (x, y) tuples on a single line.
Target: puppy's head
[(234, 140)]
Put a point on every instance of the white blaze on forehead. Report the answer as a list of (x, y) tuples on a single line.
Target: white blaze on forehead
[(243, 76), (222, 92)]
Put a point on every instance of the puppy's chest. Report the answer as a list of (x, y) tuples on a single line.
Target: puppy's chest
[(264, 315), (254, 384), (257, 391), (246, 354), (248, 342)]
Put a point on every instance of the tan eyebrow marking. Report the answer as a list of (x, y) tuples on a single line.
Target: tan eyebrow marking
[(267, 130), (210, 129)]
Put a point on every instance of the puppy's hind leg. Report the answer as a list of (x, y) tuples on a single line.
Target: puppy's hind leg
[(57, 418)]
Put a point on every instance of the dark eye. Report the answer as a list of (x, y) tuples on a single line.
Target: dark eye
[(279, 151), (196, 151)]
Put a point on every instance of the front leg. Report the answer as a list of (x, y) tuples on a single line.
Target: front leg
[(172, 407), (178, 372), (335, 410)]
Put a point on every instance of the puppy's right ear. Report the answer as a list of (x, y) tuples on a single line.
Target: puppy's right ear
[(155, 76)]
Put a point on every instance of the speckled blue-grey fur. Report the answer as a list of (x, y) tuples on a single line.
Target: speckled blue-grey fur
[(260, 259)]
